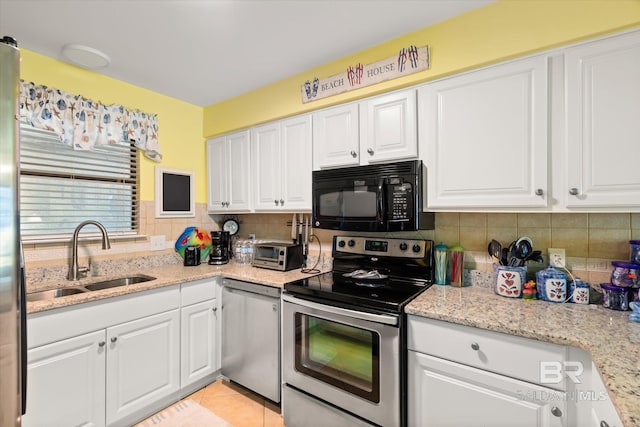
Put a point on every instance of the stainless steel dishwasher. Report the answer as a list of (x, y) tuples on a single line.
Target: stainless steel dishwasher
[(251, 336)]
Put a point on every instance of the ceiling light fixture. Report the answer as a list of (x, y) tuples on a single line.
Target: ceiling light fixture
[(84, 56)]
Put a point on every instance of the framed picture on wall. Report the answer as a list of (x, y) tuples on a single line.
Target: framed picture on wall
[(175, 193)]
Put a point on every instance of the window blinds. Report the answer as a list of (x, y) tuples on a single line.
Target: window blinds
[(61, 187)]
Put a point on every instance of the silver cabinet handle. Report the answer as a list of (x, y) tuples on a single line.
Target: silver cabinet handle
[(214, 309), (475, 346), (275, 307), (101, 344), (353, 154), (603, 423), (281, 202), (556, 412), (276, 202), (539, 192), (574, 191), (114, 339), (370, 151)]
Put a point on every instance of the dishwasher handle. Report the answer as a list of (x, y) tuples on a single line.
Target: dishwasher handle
[(266, 290)]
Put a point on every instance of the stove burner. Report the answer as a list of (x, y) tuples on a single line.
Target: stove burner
[(366, 274)]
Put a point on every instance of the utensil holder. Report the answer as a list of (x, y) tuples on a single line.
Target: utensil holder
[(509, 281)]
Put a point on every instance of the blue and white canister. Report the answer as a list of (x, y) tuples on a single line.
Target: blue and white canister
[(579, 291), (551, 285), (509, 281)]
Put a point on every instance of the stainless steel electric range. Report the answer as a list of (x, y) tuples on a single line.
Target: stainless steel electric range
[(344, 334)]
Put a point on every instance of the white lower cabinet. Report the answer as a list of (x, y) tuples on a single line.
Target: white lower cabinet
[(109, 362), (66, 382), (464, 376), (198, 345), (444, 393), (143, 359)]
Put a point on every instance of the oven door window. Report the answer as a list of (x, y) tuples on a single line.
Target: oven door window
[(341, 355)]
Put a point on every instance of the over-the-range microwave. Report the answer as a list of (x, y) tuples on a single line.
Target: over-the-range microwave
[(380, 197)]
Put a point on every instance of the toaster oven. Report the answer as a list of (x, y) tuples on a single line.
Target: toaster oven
[(277, 256)]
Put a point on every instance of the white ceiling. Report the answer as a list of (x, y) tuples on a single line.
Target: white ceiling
[(206, 51)]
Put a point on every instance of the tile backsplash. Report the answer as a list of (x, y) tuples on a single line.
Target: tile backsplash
[(591, 240)]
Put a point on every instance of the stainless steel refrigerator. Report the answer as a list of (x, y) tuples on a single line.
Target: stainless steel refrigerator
[(12, 306)]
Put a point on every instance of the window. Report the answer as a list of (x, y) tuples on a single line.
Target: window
[(61, 187)]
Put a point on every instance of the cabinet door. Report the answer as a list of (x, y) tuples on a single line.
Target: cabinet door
[(485, 134), (336, 137), (388, 128), (217, 178), (239, 166), (143, 363), (198, 341), (443, 393), (266, 171), (603, 101), (66, 382), (296, 147)]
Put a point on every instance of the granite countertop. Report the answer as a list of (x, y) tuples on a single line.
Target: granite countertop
[(612, 340), (166, 275)]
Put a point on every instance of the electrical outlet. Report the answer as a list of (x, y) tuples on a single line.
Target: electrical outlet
[(156, 243), (252, 236), (557, 257)]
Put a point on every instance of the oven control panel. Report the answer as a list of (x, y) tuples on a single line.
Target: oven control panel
[(401, 248)]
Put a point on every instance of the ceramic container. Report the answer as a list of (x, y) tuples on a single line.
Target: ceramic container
[(509, 281), (578, 291), (552, 285)]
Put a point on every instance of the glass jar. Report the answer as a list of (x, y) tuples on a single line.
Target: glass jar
[(440, 258), (615, 297), (243, 251), (634, 251), (456, 263), (551, 285), (624, 273)]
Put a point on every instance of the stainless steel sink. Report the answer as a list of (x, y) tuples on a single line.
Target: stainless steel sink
[(120, 281), (54, 293), (105, 284)]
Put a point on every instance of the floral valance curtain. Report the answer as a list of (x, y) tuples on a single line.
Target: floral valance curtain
[(83, 123)]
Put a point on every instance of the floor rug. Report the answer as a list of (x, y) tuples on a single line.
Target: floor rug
[(185, 414)]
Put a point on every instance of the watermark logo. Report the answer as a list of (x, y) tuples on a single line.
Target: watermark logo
[(552, 372)]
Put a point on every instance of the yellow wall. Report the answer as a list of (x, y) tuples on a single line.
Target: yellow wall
[(496, 32), (180, 123)]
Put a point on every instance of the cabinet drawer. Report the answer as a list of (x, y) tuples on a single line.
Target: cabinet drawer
[(197, 291), (516, 357)]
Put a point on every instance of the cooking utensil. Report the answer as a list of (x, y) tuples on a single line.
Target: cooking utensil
[(495, 251), (522, 249), (504, 256)]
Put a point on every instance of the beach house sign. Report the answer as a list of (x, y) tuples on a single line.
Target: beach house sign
[(409, 60)]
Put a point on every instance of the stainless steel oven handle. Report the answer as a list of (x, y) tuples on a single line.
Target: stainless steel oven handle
[(371, 317)]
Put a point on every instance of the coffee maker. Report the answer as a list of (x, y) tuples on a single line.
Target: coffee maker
[(220, 248)]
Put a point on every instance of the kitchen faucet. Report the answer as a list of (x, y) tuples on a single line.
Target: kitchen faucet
[(74, 270)]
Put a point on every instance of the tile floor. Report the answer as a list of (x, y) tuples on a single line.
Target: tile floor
[(238, 406)]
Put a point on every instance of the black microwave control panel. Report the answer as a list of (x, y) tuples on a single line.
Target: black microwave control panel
[(400, 197)]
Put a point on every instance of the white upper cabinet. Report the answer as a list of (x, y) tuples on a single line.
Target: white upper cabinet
[(228, 173), (377, 129), (388, 128), (281, 165), (336, 137), (603, 123), (483, 137)]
